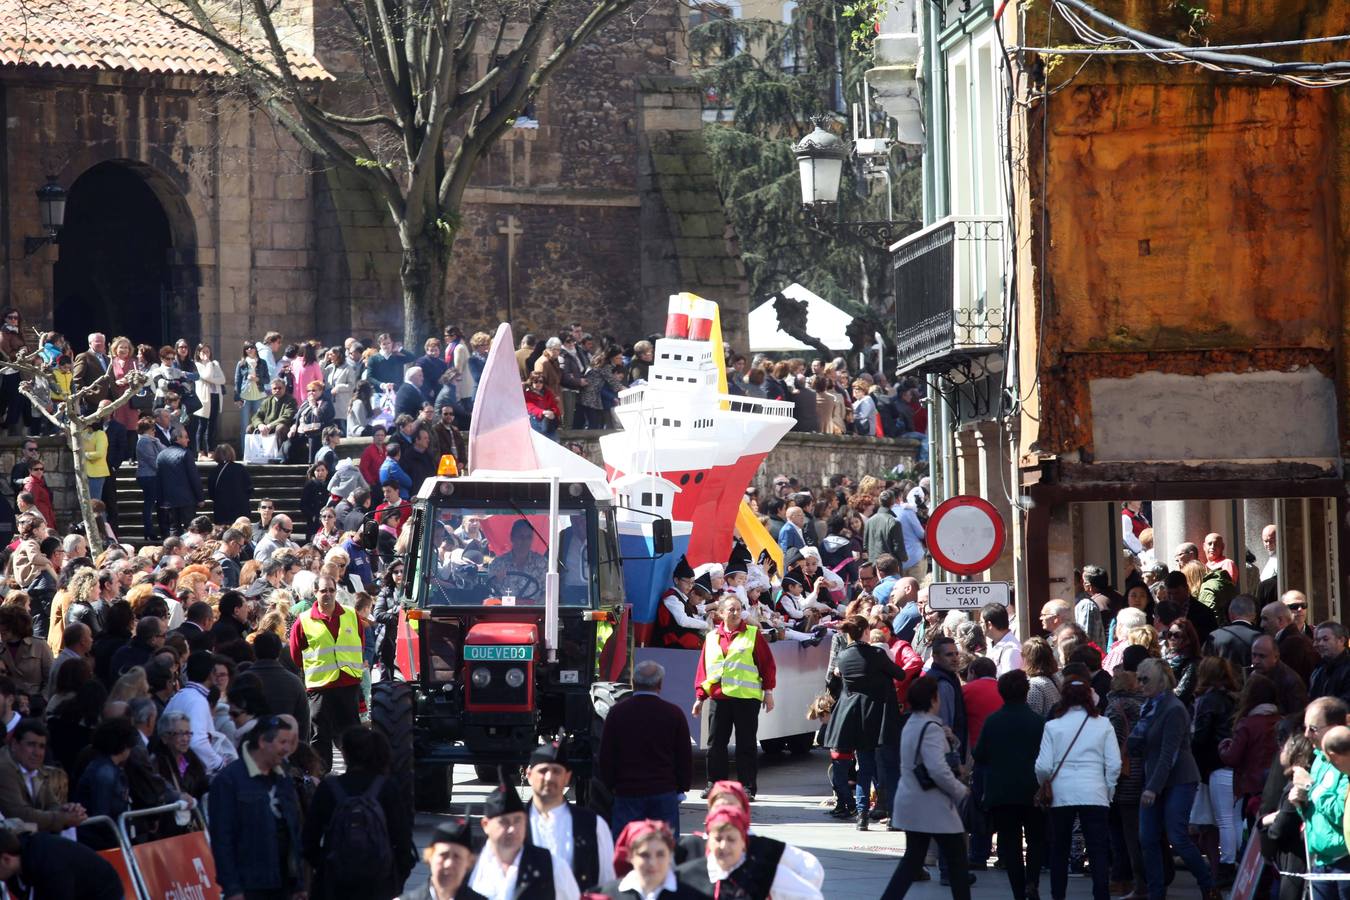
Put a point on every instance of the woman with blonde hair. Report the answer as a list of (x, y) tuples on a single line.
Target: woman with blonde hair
[(1145, 636), (139, 596), (1195, 573), (83, 587), (130, 685), (1171, 778)]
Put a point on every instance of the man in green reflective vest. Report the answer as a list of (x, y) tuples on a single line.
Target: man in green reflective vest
[(736, 672), (326, 644)]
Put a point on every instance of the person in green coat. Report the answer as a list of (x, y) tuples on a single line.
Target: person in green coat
[(1008, 746), (1319, 796)]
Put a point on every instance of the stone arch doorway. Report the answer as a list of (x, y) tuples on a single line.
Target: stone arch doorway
[(127, 261)]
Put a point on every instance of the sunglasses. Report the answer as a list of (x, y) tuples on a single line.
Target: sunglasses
[(287, 530), (1297, 606)]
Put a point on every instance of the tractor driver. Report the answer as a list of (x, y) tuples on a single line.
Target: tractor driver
[(520, 571)]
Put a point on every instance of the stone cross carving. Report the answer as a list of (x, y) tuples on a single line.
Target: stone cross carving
[(511, 228)]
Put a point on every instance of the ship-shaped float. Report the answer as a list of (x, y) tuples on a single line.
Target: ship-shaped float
[(687, 451)]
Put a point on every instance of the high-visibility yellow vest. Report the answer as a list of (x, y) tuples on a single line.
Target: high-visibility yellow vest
[(736, 670), (326, 657)]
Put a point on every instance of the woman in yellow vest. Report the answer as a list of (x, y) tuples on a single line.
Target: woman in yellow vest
[(736, 672)]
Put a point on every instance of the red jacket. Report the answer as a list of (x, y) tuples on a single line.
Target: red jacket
[(1250, 752), (907, 658), (42, 498), (299, 642), (537, 403), (768, 670), (982, 698), (371, 460)]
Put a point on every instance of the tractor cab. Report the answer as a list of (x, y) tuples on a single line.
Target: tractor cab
[(514, 588)]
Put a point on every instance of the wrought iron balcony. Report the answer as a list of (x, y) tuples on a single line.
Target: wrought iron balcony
[(949, 294)]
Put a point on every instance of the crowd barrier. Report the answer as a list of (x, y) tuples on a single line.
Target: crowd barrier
[(174, 868)]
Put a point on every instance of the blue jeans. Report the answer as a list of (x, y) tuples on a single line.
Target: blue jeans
[(149, 501), (246, 413), (96, 487), (888, 775), (840, 769), (923, 444), (1332, 890), (867, 773), (1171, 810), (665, 807)]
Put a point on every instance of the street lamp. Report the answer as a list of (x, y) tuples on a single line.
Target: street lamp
[(52, 212), (820, 163)]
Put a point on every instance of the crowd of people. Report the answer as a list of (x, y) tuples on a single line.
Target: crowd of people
[(222, 667)]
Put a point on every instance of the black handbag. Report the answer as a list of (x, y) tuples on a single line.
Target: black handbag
[(920, 770)]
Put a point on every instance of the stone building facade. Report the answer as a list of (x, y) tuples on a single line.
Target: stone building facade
[(190, 214)]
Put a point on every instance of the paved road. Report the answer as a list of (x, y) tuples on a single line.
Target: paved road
[(857, 864)]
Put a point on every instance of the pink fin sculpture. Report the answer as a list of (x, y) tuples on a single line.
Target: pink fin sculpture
[(500, 436)]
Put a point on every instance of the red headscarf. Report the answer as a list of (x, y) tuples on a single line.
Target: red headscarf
[(727, 815), (632, 834), (733, 788)]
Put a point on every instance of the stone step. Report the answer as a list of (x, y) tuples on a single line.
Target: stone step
[(280, 483)]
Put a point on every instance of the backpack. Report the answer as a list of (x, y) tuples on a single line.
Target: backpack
[(1217, 591), (356, 844)]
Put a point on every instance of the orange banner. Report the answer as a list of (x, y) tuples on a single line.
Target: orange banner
[(119, 862), (179, 867)]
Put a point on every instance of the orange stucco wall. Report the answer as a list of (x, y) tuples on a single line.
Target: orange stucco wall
[(1185, 214)]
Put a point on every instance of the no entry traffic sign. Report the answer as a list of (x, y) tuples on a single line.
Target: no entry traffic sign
[(967, 594), (965, 534)]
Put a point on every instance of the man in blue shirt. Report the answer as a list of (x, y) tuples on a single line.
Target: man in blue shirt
[(888, 567), (915, 564)]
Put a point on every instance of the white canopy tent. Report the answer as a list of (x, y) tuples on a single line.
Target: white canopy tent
[(824, 320)]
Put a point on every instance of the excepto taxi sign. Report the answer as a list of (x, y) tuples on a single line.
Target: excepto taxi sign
[(967, 594)]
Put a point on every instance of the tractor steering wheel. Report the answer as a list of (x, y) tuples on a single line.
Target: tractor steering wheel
[(530, 580)]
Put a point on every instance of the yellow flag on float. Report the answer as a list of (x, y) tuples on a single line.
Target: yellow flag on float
[(756, 536)]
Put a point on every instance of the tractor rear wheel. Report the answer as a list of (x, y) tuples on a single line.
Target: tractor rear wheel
[(391, 715)]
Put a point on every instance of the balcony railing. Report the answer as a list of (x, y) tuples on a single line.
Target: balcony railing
[(949, 292)]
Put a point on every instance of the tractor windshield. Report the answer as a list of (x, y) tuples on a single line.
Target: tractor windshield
[(489, 557)]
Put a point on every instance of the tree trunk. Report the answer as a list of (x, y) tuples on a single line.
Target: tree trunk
[(792, 320), (423, 279), (91, 530)]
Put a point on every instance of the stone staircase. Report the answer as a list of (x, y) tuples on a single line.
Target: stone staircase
[(277, 482)]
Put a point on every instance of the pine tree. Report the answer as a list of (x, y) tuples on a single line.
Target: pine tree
[(770, 80)]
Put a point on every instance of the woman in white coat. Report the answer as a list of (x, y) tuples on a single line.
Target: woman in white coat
[(210, 388), (927, 808), (1080, 760)]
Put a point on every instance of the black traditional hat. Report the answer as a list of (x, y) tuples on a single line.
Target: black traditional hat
[(683, 569), (735, 566), (791, 579), (739, 554), (704, 583), (555, 752), (456, 831), (503, 801)]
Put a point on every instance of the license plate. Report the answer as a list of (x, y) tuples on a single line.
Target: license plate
[(494, 653)]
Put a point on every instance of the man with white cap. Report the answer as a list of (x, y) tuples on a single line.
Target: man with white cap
[(509, 868)]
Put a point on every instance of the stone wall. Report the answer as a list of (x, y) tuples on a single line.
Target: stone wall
[(812, 458)]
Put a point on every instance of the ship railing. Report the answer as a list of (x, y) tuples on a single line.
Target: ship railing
[(635, 396)]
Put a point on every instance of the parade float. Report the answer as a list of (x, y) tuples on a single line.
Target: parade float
[(532, 579)]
